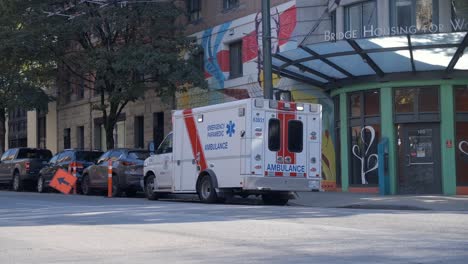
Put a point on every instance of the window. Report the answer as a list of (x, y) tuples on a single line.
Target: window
[(115, 155), (274, 135), (461, 134), (364, 129), (166, 145), (138, 155), (139, 132), (6, 155), (416, 104), (295, 136), (333, 22), (228, 4), (66, 157), (43, 154), (54, 159), (158, 128), (411, 16), (66, 138), (235, 60), (104, 157), (361, 18), (88, 156), (194, 9), (80, 137), (460, 15)]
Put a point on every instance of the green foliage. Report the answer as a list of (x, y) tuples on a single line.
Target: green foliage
[(121, 51), (25, 70)]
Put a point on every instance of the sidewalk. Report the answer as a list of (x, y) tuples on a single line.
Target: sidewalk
[(374, 201)]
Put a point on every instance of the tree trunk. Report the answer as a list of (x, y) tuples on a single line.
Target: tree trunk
[(2, 130), (109, 127)]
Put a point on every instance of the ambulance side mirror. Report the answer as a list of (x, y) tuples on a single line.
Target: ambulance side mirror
[(151, 148)]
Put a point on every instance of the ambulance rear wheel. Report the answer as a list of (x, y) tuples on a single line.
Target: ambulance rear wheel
[(205, 190), (274, 199)]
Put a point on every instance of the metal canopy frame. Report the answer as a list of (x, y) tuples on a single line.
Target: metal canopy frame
[(364, 54)]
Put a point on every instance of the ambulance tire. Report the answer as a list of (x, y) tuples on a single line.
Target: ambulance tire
[(149, 183), (206, 191), (274, 199)]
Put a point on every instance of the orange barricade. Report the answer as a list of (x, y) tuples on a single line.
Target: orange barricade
[(63, 181)]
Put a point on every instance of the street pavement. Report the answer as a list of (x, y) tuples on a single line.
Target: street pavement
[(54, 228), (375, 201)]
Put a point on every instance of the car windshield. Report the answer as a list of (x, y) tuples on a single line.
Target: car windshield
[(140, 155), (34, 154), (90, 156)]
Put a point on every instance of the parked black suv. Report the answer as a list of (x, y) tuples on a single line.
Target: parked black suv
[(20, 166), (63, 160)]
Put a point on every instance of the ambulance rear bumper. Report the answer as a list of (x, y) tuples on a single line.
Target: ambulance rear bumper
[(281, 184)]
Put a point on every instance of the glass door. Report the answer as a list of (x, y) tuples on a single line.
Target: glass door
[(419, 159)]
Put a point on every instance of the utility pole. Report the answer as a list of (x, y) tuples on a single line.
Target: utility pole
[(266, 39)]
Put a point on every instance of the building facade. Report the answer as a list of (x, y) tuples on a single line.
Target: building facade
[(391, 76), (388, 72)]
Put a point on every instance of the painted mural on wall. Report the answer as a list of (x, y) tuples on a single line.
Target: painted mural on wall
[(215, 42), (463, 147), (369, 161)]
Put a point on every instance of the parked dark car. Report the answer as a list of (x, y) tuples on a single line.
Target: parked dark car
[(127, 169), (20, 166), (63, 160)]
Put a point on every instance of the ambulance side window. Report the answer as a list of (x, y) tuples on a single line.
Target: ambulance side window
[(295, 136), (166, 145), (274, 134)]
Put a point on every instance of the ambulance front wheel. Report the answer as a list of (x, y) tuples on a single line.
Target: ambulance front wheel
[(205, 190), (149, 188)]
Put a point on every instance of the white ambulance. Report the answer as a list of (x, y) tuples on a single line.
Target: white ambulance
[(246, 147)]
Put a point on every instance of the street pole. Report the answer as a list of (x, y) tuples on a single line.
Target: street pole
[(266, 39)]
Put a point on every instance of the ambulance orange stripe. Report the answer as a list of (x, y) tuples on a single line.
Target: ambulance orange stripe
[(194, 138)]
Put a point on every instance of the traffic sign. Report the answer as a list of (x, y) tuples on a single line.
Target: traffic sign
[(63, 181)]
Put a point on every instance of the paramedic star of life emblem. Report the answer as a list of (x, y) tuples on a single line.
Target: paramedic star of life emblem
[(231, 128)]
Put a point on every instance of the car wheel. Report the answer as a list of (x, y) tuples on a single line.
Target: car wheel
[(41, 188), (116, 190), (274, 199), (205, 190), (85, 189), (149, 187), (17, 183)]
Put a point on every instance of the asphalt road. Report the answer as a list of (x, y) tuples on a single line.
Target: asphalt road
[(53, 228)]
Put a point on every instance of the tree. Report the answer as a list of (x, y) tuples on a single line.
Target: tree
[(122, 50), (25, 70)]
